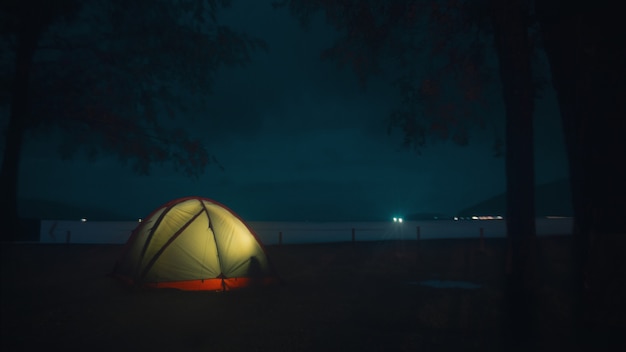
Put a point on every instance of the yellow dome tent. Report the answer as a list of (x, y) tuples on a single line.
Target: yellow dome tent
[(194, 243)]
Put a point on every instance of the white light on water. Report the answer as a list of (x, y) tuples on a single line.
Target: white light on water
[(83, 220)]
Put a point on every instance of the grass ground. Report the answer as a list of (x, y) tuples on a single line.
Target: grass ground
[(334, 297)]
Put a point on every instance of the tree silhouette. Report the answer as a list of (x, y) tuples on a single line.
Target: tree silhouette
[(446, 98), (114, 76), (582, 42), (587, 68)]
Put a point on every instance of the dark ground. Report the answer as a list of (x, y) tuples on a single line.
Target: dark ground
[(339, 297)]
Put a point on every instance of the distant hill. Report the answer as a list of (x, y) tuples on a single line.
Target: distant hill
[(551, 199), (52, 210)]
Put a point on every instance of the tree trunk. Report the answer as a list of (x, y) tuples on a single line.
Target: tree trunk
[(513, 50), (27, 40), (587, 63)]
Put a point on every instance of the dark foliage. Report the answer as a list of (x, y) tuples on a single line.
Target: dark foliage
[(112, 77), (117, 75)]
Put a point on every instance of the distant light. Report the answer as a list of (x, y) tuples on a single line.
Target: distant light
[(139, 220), (395, 219), (399, 219), (486, 217), (456, 218), (83, 220)]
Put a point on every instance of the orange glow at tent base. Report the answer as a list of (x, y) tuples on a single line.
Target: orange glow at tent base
[(216, 284)]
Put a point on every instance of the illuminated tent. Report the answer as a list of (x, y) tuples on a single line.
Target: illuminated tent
[(194, 244)]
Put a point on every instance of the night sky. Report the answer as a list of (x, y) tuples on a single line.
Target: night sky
[(298, 139)]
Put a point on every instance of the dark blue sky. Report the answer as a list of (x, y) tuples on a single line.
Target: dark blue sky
[(299, 140)]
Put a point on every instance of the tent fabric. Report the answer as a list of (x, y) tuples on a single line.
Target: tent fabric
[(194, 243)]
